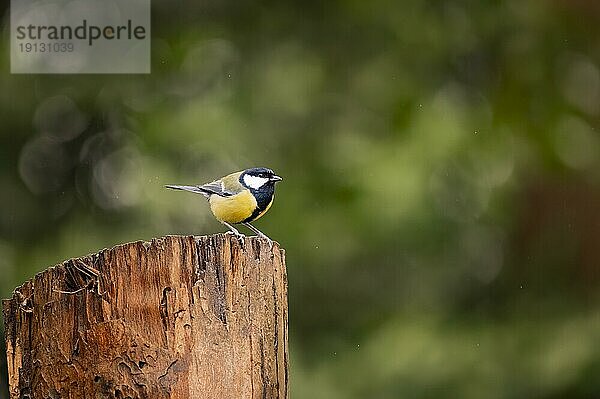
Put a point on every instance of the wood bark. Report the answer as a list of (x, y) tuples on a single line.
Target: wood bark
[(177, 317)]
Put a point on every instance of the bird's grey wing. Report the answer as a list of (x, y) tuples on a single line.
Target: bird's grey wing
[(208, 189), (216, 187)]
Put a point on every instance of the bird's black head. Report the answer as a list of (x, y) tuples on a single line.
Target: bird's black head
[(258, 179), (261, 183)]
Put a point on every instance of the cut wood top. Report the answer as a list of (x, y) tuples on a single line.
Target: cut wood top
[(175, 317)]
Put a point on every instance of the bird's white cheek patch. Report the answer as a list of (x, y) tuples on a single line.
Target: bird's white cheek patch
[(255, 182)]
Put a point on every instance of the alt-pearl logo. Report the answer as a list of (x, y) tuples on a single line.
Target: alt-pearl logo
[(80, 36)]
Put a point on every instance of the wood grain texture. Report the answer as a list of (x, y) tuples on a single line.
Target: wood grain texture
[(177, 317)]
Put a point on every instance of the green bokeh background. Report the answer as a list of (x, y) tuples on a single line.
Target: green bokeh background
[(441, 202)]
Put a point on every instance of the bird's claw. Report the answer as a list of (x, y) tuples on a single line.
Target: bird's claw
[(239, 236), (261, 235), (235, 232)]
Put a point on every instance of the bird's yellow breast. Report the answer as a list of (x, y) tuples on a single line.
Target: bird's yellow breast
[(234, 209)]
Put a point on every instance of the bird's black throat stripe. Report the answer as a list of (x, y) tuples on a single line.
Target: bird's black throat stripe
[(263, 196)]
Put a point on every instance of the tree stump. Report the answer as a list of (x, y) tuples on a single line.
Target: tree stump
[(177, 317)]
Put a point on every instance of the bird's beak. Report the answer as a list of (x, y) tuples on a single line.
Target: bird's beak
[(275, 178)]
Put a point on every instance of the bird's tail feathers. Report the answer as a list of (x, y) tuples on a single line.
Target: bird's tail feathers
[(193, 189)]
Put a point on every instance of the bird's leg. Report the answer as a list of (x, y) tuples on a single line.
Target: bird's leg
[(235, 232), (258, 232)]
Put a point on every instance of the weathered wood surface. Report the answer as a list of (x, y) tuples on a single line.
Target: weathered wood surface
[(177, 317)]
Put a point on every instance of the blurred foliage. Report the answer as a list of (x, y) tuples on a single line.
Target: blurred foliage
[(441, 202)]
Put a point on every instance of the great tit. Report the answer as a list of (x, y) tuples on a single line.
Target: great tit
[(239, 198)]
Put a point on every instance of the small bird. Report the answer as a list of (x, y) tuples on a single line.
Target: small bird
[(239, 198)]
